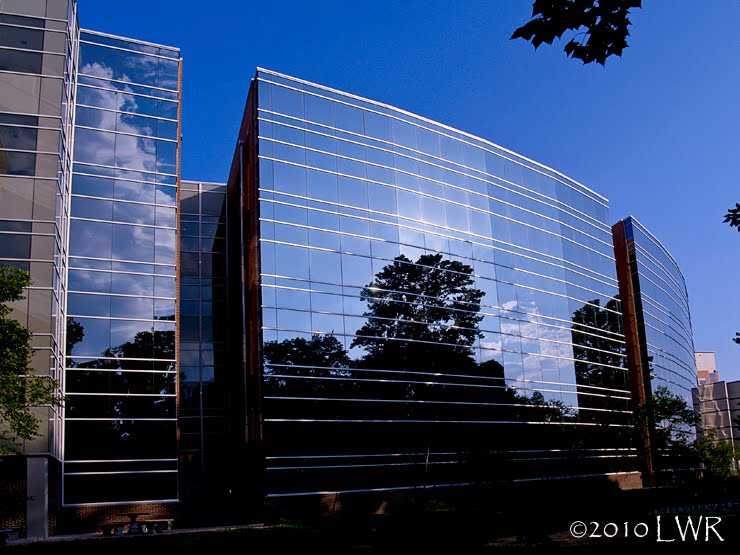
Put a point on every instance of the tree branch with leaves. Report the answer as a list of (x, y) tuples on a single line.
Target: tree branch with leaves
[(733, 217), (675, 420), (601, 27)]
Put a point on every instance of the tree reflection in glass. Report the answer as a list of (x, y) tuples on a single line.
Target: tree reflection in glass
[(421, 316), (600, 355), (412, 385), (136, 354)]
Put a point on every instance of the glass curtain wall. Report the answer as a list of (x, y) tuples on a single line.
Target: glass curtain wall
[(436, 310), (665, 313), (120, 439), (203, 407)]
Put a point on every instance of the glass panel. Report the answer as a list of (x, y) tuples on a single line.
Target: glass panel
[(166, 157), (95, 337), (133, 243), (132, 284), (165, 241), (130, 190), (168, 74), (92, 186), (166, 109), (88, 305), (137, 68), (88, 280), (90, 239), (91, 208), (95, 147), (133, 213), (166, 195), (101, 119), (135, 152), (132, 307)]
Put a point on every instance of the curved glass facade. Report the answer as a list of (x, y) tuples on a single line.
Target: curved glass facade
[(434, 309), (665, 313)]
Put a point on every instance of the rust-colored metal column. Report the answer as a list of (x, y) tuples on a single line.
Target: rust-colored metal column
[(243, 301)]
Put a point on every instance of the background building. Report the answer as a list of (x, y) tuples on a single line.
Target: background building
[(706, 368), (718, 402), (719, 406)]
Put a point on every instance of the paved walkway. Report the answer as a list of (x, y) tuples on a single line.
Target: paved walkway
[(99, 536)]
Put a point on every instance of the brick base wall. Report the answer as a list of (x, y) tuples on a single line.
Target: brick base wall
[(81, 520), (12, 491)]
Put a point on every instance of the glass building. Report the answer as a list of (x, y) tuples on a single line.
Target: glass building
[(421, 306), (373, 301), (120, 376)]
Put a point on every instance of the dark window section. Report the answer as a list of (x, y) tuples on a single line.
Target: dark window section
[(21, 37), (9, 225), (104, 381), (15, 246), (18, 138), (120, 487), (23, 62), (17, 163), (120, 439), (111, 406)]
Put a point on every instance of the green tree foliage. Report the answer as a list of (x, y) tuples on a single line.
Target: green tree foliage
[(717, 455), (674, 419), (20, 391), (421, 315), (601, 27)]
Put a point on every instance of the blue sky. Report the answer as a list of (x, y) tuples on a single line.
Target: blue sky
[(657, 132)]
